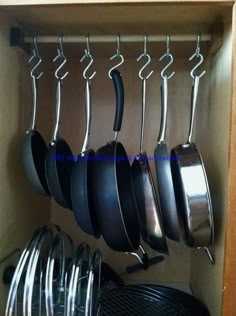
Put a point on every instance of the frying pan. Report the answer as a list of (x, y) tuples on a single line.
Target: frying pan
[(163, 173), (113, 189), (34, 148), (82, 177), (148, 207), (59, 161), (191, 188)]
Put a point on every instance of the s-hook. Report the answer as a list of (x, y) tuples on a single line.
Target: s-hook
[(197, 54), (148, 58), (89, 56), (144, 78), (169, 56), (116, 55), (36, 56), (35, 77), (60, 55)]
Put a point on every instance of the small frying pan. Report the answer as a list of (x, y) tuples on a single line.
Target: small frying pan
[(113, 189), (34, 148), (191, 188), (148, 207), (59, 159), (163, 173), (82, 177)]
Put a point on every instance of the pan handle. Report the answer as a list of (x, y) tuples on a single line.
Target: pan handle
[(34, 109), (119, 91), (58, 112), (144, 260), (138, 266), (164, 104), (88, 114), (194, 95)]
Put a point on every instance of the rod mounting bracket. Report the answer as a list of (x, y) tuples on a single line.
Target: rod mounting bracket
[(17, 39)]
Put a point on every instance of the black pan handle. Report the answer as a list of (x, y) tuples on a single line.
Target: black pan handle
[(119, 90)]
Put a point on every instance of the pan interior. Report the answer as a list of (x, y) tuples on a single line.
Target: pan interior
[(150, 217), (166, 191), (126, 194), (82, 193), (192, 195), (59, 165), (34, 153)]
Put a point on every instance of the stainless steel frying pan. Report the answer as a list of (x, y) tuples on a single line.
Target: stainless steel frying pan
[(191, 188)]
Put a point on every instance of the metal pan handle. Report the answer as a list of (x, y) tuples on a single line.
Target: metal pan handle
[(58, 112), (88, 114), (34, 108), (164, 104), (119, 91), (144, 260), (144, 89), (194, 95)]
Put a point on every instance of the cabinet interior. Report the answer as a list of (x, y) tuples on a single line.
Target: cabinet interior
[(22, 210)]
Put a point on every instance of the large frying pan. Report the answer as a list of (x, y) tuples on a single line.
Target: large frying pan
[(34, 147), (148, 207), (191, 188), (163, 173), (59, 161), (113, 190), (83, 204)]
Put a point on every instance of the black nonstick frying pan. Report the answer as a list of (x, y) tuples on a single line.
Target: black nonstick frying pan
[(34, 147), (163, 173), (113, 189), (59, 159), (147, 204), (82, 177), (191, 185)]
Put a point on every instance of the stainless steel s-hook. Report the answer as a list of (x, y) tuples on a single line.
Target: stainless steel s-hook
[(89, 56), (116, 55), (36, 56), (143, 76), (197, 54), (60, 55), (169, 56)]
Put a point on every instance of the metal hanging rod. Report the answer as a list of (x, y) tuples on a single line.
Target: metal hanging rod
[(50, 39)]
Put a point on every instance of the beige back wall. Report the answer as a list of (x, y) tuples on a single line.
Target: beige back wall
[(21, 210)]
